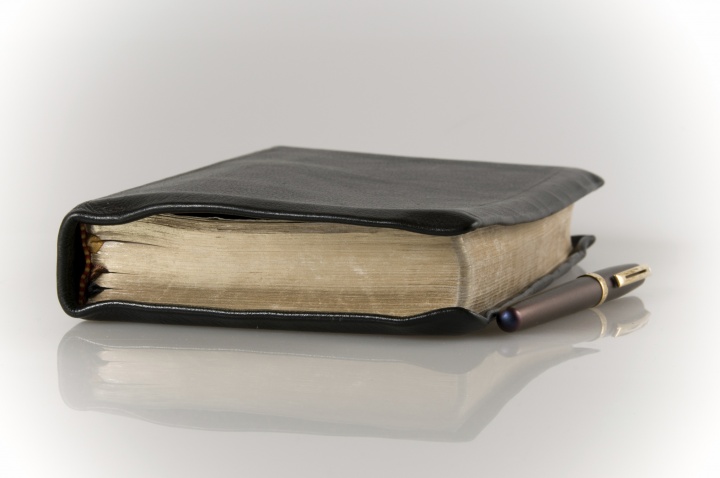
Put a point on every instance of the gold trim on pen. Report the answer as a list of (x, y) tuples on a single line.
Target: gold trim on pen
[(603, 286), (629, 276)]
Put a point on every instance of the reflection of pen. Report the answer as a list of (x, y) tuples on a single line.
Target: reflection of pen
[(587, 291)]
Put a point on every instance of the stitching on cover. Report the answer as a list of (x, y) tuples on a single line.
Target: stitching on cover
[(85, 277)]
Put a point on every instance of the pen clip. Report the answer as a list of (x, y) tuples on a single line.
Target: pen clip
[(631, 275)]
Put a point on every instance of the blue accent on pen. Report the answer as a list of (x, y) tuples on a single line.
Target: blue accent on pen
[(508, 320)]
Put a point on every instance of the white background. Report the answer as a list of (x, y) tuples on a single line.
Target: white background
[(96, 97)]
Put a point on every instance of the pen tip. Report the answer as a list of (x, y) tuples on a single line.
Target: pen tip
[(508, 320)]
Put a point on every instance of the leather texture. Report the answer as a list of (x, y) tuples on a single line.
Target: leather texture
[(428, 196)]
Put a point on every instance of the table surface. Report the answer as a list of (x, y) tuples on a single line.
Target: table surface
[(97, 98)]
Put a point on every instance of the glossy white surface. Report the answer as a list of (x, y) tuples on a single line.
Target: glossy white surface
[(98, 97)]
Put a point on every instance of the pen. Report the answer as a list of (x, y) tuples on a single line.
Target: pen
[(587, 291)]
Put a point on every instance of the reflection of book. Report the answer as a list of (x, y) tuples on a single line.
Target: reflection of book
[(276, 381), (357, 241)]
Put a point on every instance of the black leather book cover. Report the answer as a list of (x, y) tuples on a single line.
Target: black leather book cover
[(428, 196)]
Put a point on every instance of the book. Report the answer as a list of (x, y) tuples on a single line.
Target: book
[(276, 381), (303, 238)]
